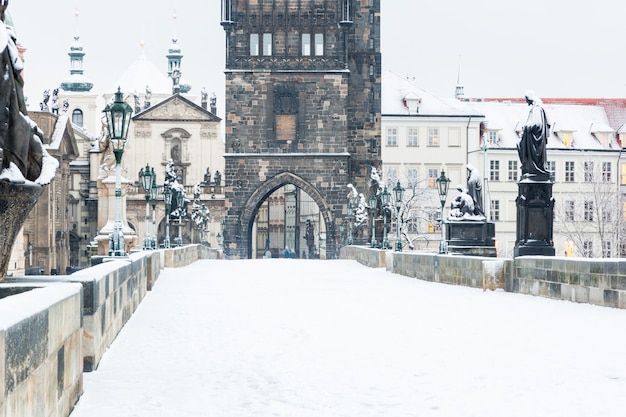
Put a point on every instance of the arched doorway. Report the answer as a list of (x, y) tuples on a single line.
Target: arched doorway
[(288, 223), (276, 217)]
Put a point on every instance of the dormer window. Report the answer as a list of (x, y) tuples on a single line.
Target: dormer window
[(412, 102), (566, 137), (603, 133)]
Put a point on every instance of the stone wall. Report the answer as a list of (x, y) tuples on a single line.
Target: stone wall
[(594, 281), (40, 349)]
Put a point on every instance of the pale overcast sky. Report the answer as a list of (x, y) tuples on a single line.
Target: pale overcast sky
[(555, 47)]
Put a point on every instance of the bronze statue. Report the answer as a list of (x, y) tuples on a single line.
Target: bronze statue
[(20, 138), (532, 146)]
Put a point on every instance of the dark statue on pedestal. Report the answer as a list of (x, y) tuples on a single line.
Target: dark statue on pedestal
[(26, 166), (535, 204), (468, 231)]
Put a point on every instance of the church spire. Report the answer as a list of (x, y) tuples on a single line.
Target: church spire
[(458, 92), (77, 82), (174, 59)]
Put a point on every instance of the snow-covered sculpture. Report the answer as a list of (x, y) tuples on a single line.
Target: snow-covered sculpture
[(376, 183), (107, 158), (26, 165), (360, 215)]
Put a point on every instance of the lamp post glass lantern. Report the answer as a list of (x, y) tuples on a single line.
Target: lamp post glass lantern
[(398, 194), (167, 197), (154, 196), (180, 199), (146, 183), (372, 203), (442, 188), (385, 196), (118, 120)]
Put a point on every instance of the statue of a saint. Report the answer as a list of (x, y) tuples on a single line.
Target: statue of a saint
[(207, 176), (218, 178), (463, 204), (107, 159), (475, 189), (20, 138), (532, 146), (55, 101), (204, 98)]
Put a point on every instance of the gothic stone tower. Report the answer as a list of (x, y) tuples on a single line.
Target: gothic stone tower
[(303, 92)]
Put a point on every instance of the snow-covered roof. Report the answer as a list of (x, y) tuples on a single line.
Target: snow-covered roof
[(582, 121), (398, 92), (142, 73)]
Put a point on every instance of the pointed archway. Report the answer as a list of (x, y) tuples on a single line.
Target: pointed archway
[(267, 188)]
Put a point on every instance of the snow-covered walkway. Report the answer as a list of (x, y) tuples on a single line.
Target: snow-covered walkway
[(299, 338)]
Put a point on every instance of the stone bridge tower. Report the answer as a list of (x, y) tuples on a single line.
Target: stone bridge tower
[(303, 107)]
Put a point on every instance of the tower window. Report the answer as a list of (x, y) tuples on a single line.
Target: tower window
[(267, 44), (77, 117), (254, 44), (319, 44), (306, 44)]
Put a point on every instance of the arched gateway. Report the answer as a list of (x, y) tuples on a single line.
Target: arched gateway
[(303, 100)]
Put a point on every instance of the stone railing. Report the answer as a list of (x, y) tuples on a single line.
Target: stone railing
[(40, 345), (595, 281), (54, 328)]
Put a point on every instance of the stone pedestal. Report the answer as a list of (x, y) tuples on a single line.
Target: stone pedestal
[(535, 218), (16, 202), (473, 238), (106, 215)]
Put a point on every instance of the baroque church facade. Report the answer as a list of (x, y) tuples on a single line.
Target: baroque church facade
[(303, 100)]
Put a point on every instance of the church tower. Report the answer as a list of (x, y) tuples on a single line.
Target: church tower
[(303, 107)]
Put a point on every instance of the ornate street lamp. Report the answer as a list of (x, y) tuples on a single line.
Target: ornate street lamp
[(118, 120), (372, 207), (219, 239), (180, 199), (146, 183), (442, 187), (385, 197), (350, 220), (154, 196), (167, 197), (398, 192)]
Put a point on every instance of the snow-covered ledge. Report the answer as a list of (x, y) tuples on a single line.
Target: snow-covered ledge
[(40, 349)]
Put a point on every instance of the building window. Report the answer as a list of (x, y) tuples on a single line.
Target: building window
[(319, 44), (588, 215), (392, 136), (587, 248), (494, 211), (77, 117), (267, 44), (570, 210), (433, 174), (254, 44), (606, 172), (346, 12), (494, 170), (371, 70), (493, 137), (607, 217), (569, 171), (433, 136), (551, 168), (513, 171), (588, 171), (606, 249), (567, 139), (306, 44), (412, 176), (411, 137)]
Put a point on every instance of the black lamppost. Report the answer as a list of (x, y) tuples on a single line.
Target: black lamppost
[(385, 196), (154, 195), (372, 206), (180, 200), (118, 120), (442, 187), (350, 215), (167, 197), (219, 240), (398, 192), (146, 183)]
